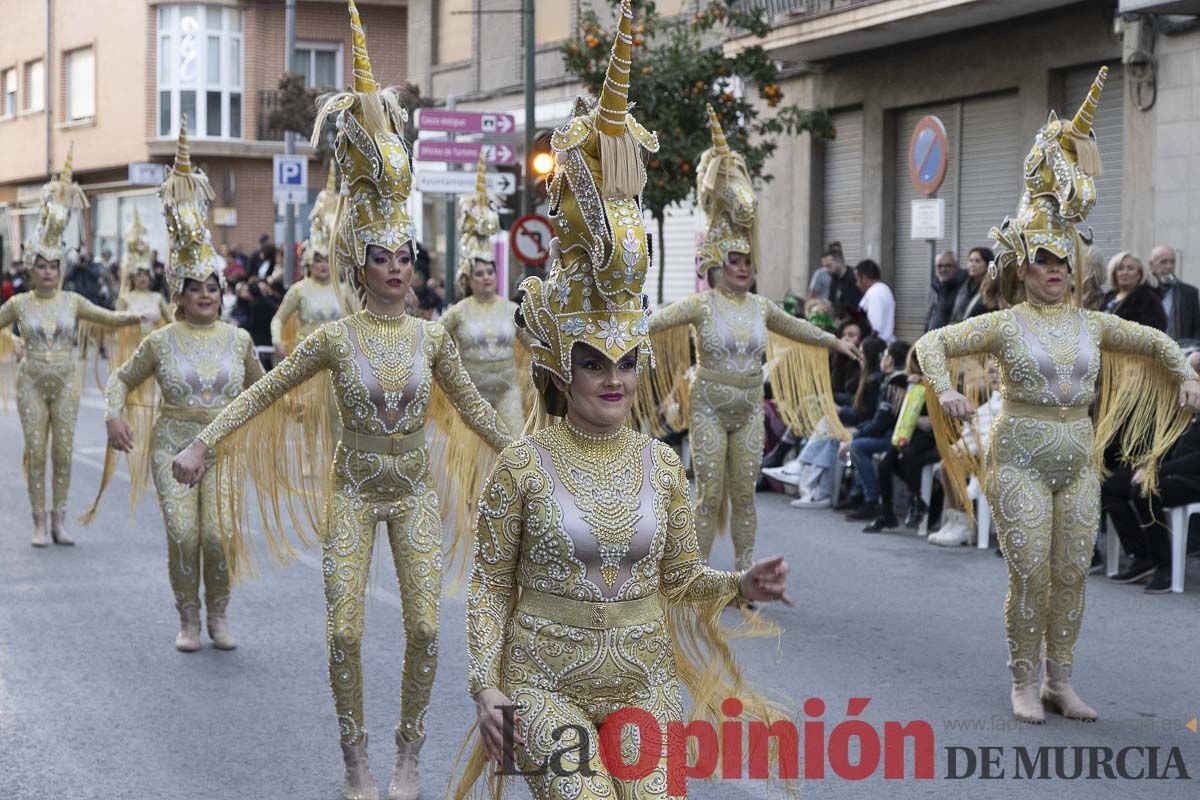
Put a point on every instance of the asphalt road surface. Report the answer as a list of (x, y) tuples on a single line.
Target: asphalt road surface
[(96, 703)]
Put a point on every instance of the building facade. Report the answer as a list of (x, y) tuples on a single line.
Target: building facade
[(990, 70), (120, 75)]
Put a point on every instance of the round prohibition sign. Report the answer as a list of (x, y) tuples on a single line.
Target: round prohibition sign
[(928, 155), (530, 239)]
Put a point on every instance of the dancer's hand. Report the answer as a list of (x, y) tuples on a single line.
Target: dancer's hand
[(766, 581), (848, 349), (147, 316), (280, 352), (120, 436), (18, 350), (954, 405), (489, 705), (1189, 395), (188, 466)]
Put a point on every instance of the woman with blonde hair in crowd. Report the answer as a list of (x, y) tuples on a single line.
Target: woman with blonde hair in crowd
[(1093, 279), (1133, 292)]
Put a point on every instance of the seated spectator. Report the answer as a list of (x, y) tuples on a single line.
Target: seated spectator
[(943, 292), (1140, 522), (820, 313), (954, 530), (971, 301), (877, 300), (906, 460), (873, 435), (233, 268), (1134, 293)]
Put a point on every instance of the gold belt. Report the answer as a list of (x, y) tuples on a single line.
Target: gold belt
[(486, 363), (188, 414), (51, 356), (740, 380), (1051, 413), (387, 445), (590, 614)]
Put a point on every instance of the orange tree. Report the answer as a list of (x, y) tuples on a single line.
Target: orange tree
[(679, 66)]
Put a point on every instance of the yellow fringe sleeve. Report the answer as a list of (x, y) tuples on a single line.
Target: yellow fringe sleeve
[(967, 374), (666, 385), (1138, 407), (802, 387), (8, 370), (291, 332)]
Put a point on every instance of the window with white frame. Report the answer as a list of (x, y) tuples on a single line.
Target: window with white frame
[(35, 85), (8, 83), (81, 84), (200, 70), (320, 63)]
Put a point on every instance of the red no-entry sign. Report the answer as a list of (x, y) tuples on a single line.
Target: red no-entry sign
[(928, 155), (530, 238)]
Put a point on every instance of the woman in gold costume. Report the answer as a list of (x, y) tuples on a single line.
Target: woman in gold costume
[(137, 277), (1044, 455), (383, 364), (314, 300), (586, 558), (200, 365), (732, 324), (482, 321), (48, 377)]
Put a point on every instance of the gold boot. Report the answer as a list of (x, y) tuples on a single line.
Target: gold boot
[(1025, 704), (58, 528), (1059, 697), (188, 640), (358, 783), (406, 784), (40, 537), (218, 626)]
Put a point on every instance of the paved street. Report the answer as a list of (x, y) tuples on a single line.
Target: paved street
[(96, 703)]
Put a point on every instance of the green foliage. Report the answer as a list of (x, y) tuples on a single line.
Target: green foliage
[(678, 67)]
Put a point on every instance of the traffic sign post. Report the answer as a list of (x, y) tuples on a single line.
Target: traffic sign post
[(290, 181), (504, 183), (928, 158), (464, 152), (530, 239), (142, 173), (450, 121)]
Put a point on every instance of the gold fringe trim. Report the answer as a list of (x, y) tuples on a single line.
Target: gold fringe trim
[(529, 392), (621, 170), (290, 335), (1087, 152), (1139, 407), (968, 374), (8, 370), (802, 387), (667, 383)]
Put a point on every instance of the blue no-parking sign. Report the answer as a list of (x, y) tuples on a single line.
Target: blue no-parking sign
[(290, 181)]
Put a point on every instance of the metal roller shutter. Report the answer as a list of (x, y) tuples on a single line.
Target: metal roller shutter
[(911, 274), (842, 195), (679, 231), (1105, 219), (990, 185)]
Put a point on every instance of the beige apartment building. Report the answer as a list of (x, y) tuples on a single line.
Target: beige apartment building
[(115, 76), (990, 70)]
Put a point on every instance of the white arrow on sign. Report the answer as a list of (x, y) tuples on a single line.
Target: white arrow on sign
[(504, 183), (504, 124), (498, 153)]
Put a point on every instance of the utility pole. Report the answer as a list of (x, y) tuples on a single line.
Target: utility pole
[(527, 18), (289, 147), (451, 221)]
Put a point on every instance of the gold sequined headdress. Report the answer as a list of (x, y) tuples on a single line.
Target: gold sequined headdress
[(185, 196), (1060, 190), (60, 196), (726, 196), (374, 164), (599, 259), (320, 220), (478, 222), (137, 251)]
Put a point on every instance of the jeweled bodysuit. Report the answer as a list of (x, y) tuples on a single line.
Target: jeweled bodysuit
[(315, 302), (726, 405), (199, 370), (1042, 485), (486, 337), (48, 383), (382, 372), (150, 303), (579, 542)]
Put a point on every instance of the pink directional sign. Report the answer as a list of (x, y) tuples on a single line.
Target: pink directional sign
[(464, 152), (434, 119)]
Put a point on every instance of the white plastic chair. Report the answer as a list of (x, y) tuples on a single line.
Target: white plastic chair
[(1180, 516), (926, 497), (983, 522)]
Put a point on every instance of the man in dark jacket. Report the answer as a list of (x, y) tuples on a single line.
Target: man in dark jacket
[(1181, 301), (844, 293), (1140, 522), (947, 280), (86, 278)]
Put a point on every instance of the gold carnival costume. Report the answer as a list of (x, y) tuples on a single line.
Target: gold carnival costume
[(137, 262), (199, 369), (383, 370), (485, 333), (48, 379), (725, 403), (588, 592), (1044, 456)]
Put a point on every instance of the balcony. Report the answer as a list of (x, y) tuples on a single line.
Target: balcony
[(816, 30)]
